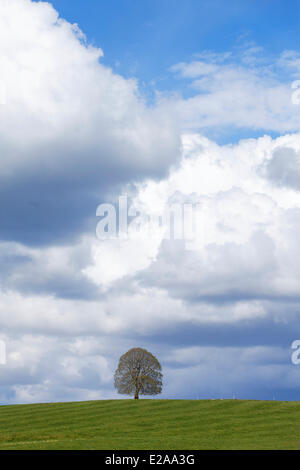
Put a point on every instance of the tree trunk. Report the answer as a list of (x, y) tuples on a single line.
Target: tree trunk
[(136, 396)]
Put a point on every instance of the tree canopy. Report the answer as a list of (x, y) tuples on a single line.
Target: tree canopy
[(138, 373)]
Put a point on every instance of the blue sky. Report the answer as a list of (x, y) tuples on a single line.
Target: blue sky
[(143, 39), (193, 102)]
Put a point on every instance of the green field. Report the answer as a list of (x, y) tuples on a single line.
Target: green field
[(152, 425)]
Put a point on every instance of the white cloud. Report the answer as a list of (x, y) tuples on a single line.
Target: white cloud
[(242, 240), (243, 271), (71, 129), (239, 90), (226, 373)]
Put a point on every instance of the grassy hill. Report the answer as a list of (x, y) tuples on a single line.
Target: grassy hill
[(152, 425)]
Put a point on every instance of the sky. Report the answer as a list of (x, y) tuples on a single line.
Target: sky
[(155, 103)]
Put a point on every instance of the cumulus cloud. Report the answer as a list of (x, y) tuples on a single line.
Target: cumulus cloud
[(71, 129), (236, 285), (283, 168), (242, 245), (242, 237), (221, 373)]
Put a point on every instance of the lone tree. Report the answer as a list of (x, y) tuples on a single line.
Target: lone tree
[(138, 373)]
